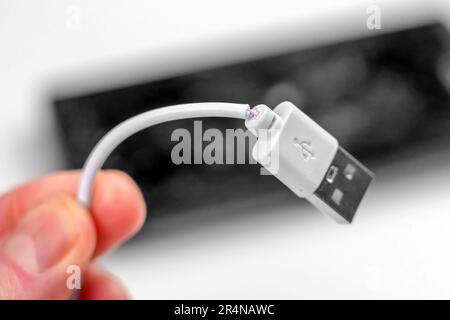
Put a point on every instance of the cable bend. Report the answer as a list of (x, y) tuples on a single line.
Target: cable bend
[(143, 121)]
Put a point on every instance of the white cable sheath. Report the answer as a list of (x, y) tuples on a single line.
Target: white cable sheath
[(145, 120)]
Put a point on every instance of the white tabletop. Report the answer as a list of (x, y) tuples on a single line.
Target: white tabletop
[(397, 246)]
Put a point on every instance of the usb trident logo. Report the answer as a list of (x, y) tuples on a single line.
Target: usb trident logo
[(305, 149)]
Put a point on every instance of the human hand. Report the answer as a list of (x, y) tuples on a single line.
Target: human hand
[(44, 230)]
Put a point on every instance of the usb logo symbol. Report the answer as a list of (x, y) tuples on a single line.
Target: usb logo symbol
[(305, 149)]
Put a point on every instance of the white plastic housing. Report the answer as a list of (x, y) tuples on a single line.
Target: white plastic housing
[(292, 147)]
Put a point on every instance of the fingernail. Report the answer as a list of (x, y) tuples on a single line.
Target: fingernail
[(42, 238)]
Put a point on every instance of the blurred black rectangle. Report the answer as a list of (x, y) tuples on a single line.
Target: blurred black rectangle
[(376, 95)]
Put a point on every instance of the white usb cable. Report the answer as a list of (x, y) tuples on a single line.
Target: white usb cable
[(145, 120), (308, 159)]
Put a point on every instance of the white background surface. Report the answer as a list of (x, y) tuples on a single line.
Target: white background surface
[(398, 246)]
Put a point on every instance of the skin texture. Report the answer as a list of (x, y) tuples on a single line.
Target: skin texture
[(43, 231)]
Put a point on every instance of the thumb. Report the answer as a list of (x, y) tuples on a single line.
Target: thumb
[(49, 241)]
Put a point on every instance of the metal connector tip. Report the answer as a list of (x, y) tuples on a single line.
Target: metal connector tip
[(343, 187)]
